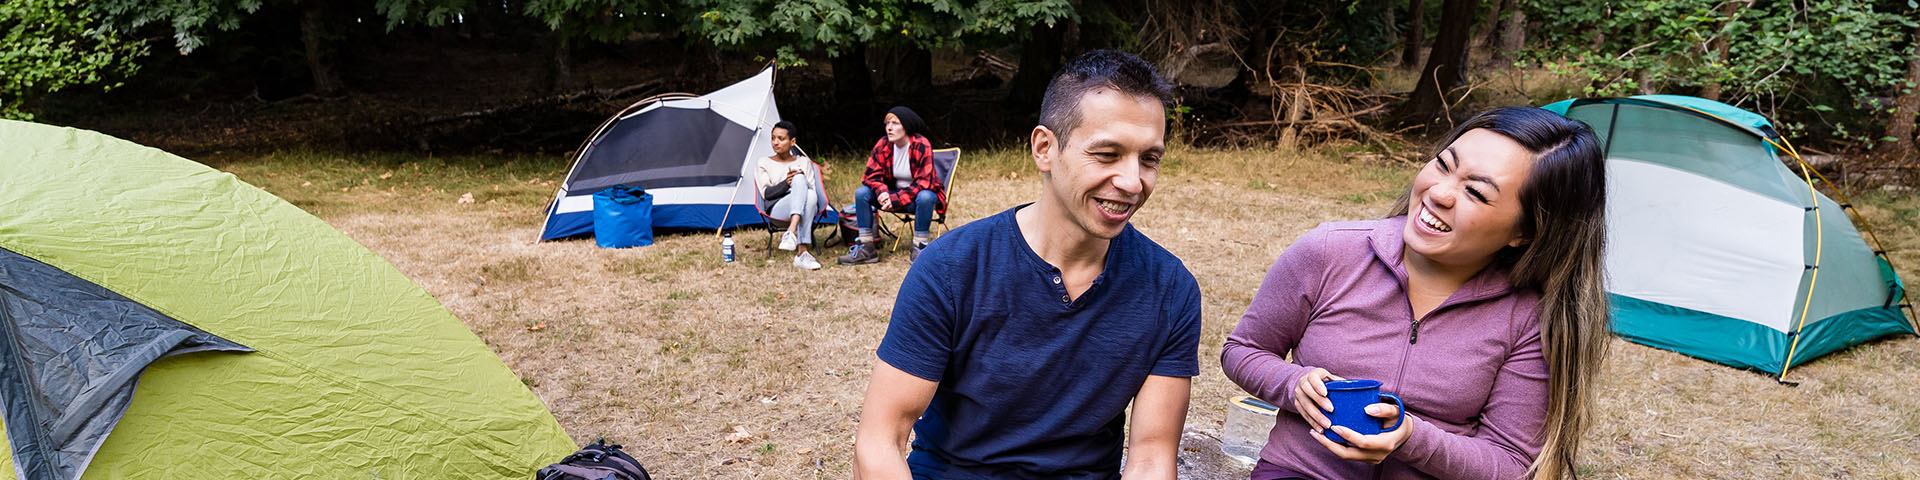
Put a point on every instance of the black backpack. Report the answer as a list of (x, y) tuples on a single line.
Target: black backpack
[(596, 461)]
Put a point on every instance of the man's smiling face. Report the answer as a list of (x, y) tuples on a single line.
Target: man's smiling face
[(1106, 168)]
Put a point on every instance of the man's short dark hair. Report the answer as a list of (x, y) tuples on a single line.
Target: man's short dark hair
[(788, 126), (1121, 71)]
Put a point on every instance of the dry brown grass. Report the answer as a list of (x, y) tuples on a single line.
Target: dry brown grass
[(667, 350)]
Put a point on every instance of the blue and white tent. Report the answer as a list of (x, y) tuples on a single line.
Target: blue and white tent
[(690, 152)]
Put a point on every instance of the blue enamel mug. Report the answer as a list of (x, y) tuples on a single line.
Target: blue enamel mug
[(1350, 399)]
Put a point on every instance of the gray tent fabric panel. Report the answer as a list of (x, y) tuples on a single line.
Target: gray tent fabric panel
[(73, 351), (1687, 141), (1850, 277), (665, 147)]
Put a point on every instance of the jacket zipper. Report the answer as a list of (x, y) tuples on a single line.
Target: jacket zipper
[(1413, 337)]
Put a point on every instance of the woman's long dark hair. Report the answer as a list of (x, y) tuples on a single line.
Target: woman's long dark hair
[(1563, 217)]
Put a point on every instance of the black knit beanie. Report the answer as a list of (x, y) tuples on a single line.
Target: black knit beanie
[(910, 121)]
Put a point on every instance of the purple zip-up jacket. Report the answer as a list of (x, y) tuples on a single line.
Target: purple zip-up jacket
[(1471, 372)]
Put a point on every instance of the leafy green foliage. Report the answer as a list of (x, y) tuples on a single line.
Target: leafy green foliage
[(604, 20), (791, 27), (50, 45), (1780, 53), (189, 19), (434, 13)]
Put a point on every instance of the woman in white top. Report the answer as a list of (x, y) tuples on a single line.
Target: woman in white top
[(787, 188)]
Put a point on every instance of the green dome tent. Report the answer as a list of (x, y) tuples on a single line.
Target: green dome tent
[(161, 319), (1717, 250)]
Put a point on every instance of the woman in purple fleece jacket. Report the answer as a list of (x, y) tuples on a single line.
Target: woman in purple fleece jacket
[(1479, 301)]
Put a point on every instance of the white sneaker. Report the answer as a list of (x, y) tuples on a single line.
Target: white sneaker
[(788, 242), (806, 261)]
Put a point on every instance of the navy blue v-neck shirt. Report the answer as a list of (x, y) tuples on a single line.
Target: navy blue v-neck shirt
[(1033, 384)]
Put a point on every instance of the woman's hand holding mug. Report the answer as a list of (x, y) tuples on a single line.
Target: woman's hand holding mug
[(1310, 397), (1357, 416), (1367, 448)]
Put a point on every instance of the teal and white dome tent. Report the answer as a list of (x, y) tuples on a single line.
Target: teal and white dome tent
[(1718, 250)]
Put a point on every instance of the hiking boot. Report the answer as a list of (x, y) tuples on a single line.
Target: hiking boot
[(862, 254), (914, 254), (788, 242), (806, 262)]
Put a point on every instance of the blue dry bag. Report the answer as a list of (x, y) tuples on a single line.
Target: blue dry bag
[(623, 217)]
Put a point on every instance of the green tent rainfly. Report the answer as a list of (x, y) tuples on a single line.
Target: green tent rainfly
[(1717, 250), (161, 319)]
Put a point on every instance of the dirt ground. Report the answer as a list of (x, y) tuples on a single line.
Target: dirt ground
[(756, 369)]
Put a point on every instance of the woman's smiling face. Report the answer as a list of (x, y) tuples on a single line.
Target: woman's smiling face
[(1465, 204)]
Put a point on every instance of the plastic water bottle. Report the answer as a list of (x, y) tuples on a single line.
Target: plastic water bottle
[(726, 248)]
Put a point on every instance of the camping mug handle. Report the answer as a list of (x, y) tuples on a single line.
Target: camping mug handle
[(1403, 411)]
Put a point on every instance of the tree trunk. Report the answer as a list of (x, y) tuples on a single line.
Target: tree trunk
[(1488, 28), (854, 118), (1906, 106), (1721, 44), (1513, 38), (1392, 33), (559, 71), (906, 71), (1258, 40), (1039, 59), (1416, 34), (312, 19), (916, 74), (852, 81), (1445, 68)]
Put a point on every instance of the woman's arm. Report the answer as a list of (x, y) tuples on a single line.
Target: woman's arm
[(878, 171), (1274, 322), (771, 187), (1508, 437), (773, 193)]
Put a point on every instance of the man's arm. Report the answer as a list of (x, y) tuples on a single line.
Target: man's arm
[(1159, 412), (894, 401)]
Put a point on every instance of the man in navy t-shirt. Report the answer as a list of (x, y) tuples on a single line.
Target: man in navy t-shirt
[(1018, 341)]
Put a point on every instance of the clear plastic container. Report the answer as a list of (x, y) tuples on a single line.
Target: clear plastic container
[(1249, 420)]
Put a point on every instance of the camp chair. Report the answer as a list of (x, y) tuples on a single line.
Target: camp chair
[(945, 161), (827, 216)]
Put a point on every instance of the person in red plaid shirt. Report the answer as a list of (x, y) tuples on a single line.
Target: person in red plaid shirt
[(899, 178)]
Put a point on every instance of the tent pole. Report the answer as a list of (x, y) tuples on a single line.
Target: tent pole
[(1806, 173), (1819, 245), (759, 125), (1846, 205), (724, 216)]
